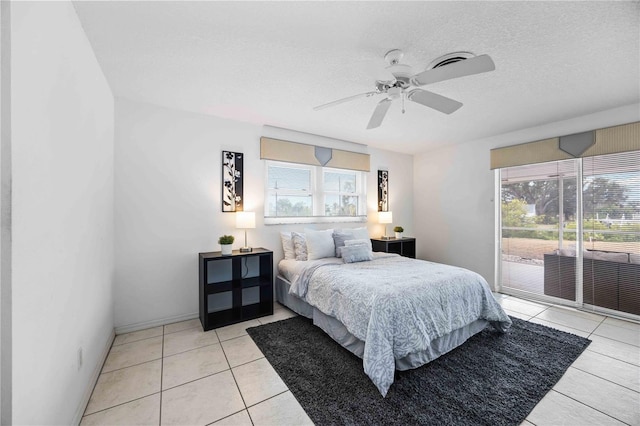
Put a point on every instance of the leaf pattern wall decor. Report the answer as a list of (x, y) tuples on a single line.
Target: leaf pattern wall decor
[(383, 191), (232, 169)]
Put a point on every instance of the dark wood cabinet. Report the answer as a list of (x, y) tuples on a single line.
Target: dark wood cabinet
[(403, 246), (236, 287)]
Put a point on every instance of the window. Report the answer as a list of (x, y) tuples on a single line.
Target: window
[(298, 193), (611, 198)]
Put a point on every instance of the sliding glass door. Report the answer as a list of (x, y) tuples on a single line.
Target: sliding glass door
[(538, 214), (611, 199), (570, 230)]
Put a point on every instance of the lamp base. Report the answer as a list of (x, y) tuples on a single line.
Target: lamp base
[(384, 237), (246, 249)]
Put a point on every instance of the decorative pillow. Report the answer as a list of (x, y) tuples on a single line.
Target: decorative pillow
[(339, 237), (319, 244), (356, 253), (634, 258), (299, 245), (366, 242), (287, 245)]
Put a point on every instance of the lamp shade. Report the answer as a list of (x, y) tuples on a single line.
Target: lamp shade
[(385, 217), (245, 220)]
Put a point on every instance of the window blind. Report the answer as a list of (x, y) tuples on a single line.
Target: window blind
[(611, 206)]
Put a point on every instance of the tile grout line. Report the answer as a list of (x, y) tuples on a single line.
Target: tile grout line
[(132, 365), (226, 417), (134, 341), (234, 377), (605, 379), (190, 350), (273, 396), (240, 392), (84, 413), (161, 375), (195, 380), (593, 408), (121, 404), (615, 340), (184, 329), (197, 347)]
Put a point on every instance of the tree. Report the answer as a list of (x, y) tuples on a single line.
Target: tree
[(545, 196), (601, 195), (514, 213), (605, 197)]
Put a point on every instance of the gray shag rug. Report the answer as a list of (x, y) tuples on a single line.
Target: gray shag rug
[(492, 379)]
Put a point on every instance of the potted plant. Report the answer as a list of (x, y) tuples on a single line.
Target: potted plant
[(226, 242), (398, 230)]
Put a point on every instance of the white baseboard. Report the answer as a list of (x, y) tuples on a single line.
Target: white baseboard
[(155, 323), (77, 418)]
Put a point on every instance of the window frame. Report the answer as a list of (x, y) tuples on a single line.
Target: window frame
[(318, 195)]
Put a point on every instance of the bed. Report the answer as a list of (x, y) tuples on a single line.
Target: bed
[(393, 312)]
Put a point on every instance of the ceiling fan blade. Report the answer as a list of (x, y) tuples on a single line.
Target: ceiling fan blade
[(475, 65), (433, 100), (379, 113), (347, 99)]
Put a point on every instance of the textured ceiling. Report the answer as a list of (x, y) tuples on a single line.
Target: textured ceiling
[(272, 62)]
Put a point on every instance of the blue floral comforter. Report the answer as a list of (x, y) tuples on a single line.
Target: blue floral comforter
[(397, 305)]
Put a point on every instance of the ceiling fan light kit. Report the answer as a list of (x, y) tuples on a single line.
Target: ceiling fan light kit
[(405, 84)]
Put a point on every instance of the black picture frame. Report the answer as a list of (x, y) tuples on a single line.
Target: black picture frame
[(232, 181), (383, 190)]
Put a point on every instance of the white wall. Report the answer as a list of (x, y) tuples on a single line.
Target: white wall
[(62, 123), (167, 204), (454, 192)]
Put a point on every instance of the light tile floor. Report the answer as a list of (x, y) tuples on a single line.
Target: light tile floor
[(178, 375)]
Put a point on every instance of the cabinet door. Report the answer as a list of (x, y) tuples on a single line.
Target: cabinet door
[(409, 248)]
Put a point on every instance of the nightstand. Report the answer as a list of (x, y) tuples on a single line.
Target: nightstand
[(235, 287), (403, 246)]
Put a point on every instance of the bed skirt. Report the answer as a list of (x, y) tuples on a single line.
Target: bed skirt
[(338, 332)]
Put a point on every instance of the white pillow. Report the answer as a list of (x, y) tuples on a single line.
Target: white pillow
[(299, 245), (320, 244), (287, 245)]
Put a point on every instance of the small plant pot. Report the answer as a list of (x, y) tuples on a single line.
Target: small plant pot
[(398, 235), (226, 249)]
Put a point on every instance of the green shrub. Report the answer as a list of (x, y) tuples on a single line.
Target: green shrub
[(226, 239)]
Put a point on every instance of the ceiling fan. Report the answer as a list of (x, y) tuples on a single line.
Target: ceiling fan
[(403, 84)]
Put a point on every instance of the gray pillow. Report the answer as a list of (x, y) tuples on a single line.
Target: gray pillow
[(356, 253), (366, 242), (339, 237)]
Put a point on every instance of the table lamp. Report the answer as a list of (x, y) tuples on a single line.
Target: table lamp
[(245, 220), (385, 218)]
